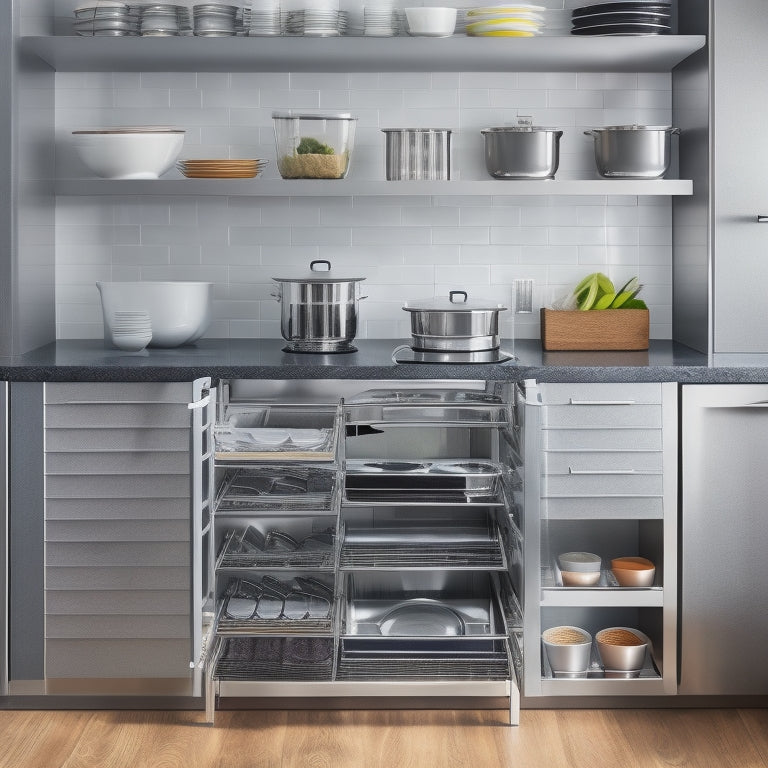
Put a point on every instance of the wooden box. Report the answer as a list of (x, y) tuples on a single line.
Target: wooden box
[(597, 329)]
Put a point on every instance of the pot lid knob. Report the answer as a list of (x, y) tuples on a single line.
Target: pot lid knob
[(453, 294), (320, 261)]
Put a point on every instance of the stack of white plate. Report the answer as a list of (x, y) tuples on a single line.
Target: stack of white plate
[(381, 21), (263, 20), (634, 17), (106, 18), (505, 21), (319, 23), (131, 331), (221, 169)]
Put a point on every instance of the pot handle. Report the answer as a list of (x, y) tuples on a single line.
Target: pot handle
[(397, 349), (277, 296), (451, 294), (675, 130), (320, 261), (590, 133)]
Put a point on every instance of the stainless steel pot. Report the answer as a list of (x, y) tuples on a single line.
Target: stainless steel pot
[(632, 151), (455, 324), (318, 310), (522, 152)]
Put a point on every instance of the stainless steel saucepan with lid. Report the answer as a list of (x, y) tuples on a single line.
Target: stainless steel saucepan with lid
[(455, 324), (318, 309), (633, 151)]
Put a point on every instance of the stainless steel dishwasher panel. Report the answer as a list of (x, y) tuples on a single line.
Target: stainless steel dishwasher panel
[(724, 537)]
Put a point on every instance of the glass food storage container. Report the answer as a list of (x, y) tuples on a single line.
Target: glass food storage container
[(313, 146)]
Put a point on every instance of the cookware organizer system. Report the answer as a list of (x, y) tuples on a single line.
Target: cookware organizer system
[(347, 564)]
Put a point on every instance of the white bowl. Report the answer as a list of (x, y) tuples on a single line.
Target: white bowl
[(431, 22), (179, 312), (129, 153)]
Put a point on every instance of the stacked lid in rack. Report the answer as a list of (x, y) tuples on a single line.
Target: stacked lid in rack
[(221, 169), (106, 18), (317, 22), (633, 17), (505, 21)]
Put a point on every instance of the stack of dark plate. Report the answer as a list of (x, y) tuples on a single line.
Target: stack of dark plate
[(632, 17)]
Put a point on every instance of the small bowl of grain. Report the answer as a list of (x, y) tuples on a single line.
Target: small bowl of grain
[(313, 146), (621, 649)]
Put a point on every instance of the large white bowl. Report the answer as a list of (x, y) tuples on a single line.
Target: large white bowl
[(129, 153), (180, 312), (431, 22)]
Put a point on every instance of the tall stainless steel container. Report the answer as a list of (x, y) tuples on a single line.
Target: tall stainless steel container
[(416, 154), (318, 310)]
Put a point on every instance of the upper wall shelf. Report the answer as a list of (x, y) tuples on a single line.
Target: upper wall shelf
[(350, 187), (654, 53)]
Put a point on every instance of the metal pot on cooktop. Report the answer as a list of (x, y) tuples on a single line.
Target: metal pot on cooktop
[(454, 324), (318, 309)]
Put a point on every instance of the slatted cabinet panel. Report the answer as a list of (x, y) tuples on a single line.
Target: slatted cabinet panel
[(117, 537)]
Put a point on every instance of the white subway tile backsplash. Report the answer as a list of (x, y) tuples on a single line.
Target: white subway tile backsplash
[(406, 246)]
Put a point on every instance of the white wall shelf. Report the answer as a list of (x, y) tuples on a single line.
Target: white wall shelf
[(654, 53), (350, 187)]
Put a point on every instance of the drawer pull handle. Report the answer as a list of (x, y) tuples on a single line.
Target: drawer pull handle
[(602, 402), (572, 471)]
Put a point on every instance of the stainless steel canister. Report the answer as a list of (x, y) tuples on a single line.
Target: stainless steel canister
[(455, 324), (522, 152), (632, 151), (318, 310), (414, 154)]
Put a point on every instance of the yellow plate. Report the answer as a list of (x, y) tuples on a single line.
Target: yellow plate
[(505, 9), (501, 33)]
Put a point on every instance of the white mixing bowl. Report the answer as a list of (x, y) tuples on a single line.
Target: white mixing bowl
[(129, 153), (179, 312)]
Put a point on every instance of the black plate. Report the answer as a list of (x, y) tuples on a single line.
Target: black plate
[(620, 18), (622, 29), (629, 5)]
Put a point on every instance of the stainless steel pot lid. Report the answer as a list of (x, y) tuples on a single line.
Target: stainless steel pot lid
[(319, 275), (416, 130), (520, 129), (457, 301), (636, 128)]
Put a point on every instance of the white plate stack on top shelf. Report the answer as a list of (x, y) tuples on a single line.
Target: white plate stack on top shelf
[(106, 18), (130, 331)]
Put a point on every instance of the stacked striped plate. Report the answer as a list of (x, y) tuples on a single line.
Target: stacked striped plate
[(221, 169), (633, 17), (505, 21)]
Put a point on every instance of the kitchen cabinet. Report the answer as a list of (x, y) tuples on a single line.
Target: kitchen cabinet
[(416, 589), (125, 520), (4, 532), (724, 530), (608, 468)]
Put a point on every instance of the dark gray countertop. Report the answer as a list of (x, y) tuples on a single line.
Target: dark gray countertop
[(91, 360)]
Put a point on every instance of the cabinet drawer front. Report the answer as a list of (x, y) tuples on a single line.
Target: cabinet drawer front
[(565, 394), (116, 530), (116, 603), (118, 463), (603, 508), (602, 439), (117, 392), (125, 439), (117, 509), (116, 658), (577, 463), (118, 578), (117, 486), (602, 485), (129, 415), (117, 553), (602, 416), (116, 627)]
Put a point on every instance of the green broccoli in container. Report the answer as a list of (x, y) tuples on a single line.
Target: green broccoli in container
[(310, 146)]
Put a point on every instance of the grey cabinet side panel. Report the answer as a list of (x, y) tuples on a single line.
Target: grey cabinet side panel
[(26, 550)]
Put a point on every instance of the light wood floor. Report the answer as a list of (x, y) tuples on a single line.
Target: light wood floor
[(386, 739)]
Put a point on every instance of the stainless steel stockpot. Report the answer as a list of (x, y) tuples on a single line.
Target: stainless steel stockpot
[(417, 154), (454, 324), (632, 151), (318, 310), (522, 152)]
